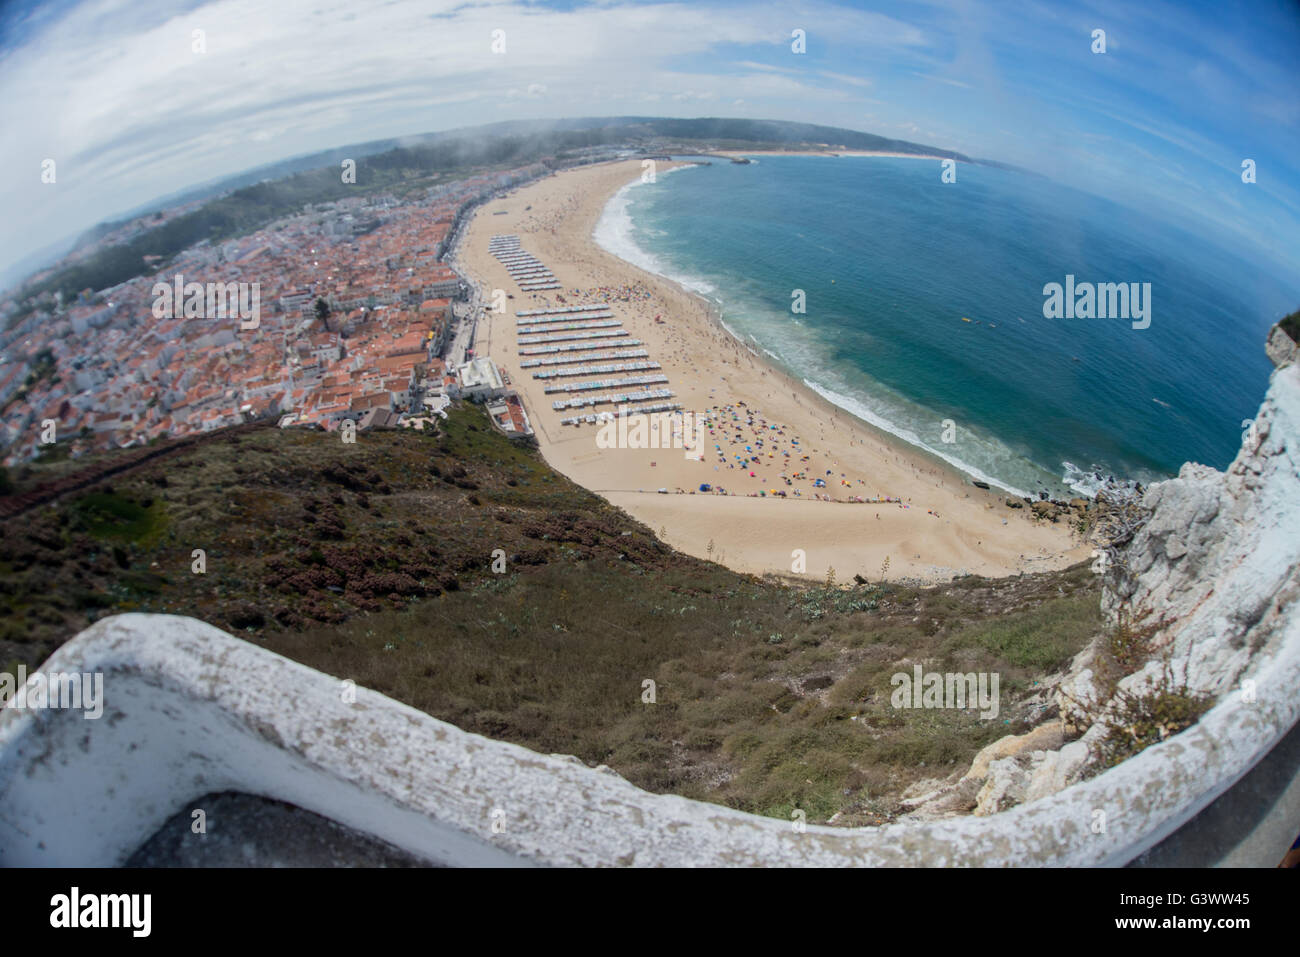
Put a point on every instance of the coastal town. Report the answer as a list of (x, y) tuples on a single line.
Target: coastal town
[(361, 317)]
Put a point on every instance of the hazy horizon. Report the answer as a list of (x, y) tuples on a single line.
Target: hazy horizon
[(1161, 121)]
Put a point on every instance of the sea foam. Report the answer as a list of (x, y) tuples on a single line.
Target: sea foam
[(615, 233)]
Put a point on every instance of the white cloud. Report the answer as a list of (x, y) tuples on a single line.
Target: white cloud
[(846, 78), (942, 79), (113, 91)]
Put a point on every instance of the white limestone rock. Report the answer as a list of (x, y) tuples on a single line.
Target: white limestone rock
[(1280, 347), (1218, 561)]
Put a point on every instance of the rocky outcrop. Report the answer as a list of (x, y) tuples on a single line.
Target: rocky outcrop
[(1281, 347), (1211, 579), (1053, 510), (1218, 557)]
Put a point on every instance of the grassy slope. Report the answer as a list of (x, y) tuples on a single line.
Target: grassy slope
[(372, 562)]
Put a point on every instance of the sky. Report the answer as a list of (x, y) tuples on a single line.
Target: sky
[(116, 93)]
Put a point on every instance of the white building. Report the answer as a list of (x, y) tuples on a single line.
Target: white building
[(480, 379)]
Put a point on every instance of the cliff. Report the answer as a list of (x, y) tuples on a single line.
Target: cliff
[(1196, 601)]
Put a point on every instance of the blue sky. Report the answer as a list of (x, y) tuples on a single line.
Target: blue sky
[(113, 91)]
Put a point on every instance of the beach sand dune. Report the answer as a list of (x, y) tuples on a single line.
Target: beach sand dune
[(763, 422)]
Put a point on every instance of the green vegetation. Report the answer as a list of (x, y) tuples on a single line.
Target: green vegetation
[(755, 706), (1041, 640), (1291, 325), (373, 562), (1135, 720), (54, 452), (296, 523), (1127, 647), (107, 515)]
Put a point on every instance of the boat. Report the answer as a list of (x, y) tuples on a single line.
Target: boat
[(983, 485), (964, 319)]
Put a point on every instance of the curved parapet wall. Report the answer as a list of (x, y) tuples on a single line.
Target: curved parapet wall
[(189, 710)]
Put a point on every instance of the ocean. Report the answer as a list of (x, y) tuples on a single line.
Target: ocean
[(892, 262)]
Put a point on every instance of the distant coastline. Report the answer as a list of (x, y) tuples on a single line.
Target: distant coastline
[(834, 154)]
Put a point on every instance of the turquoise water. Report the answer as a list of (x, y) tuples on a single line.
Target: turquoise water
[(890, 260)]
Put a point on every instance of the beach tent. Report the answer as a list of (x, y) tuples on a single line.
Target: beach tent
[(705, 487)]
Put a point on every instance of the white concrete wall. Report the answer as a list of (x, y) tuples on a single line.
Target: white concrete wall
[(191, 710)]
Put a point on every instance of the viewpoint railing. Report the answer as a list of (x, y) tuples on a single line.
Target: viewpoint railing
[(190, 710)]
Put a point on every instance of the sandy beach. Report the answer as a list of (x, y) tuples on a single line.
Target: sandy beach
[(771, 438)]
